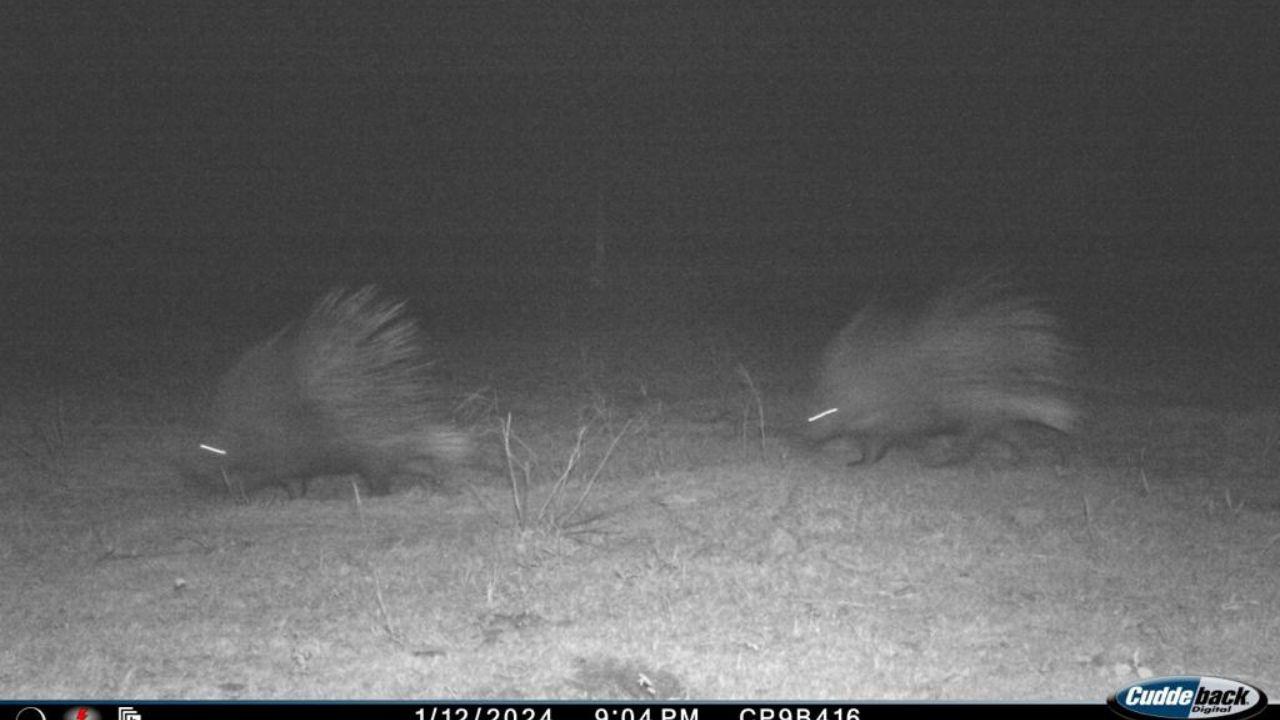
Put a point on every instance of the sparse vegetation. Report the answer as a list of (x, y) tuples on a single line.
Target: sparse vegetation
[(565, 492), (608, 545)]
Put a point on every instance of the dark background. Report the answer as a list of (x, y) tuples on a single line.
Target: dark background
[(168, 171)]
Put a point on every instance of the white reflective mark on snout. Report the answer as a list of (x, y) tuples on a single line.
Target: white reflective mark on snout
[(823, 414), (212, 449)]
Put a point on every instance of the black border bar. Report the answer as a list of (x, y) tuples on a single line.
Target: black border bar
[(535, 710)]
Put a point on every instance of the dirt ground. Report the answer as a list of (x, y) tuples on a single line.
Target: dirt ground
[(664, 545)]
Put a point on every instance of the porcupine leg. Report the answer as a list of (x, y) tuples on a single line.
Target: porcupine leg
[(951, 448), (294, 487), (1023, 441), (1007, 446), (377, 475), (872, 447)]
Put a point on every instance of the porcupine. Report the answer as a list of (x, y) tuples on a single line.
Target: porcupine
[(346, 390), (973, 363)]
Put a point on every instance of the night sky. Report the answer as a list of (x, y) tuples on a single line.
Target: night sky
[(1126, 157)]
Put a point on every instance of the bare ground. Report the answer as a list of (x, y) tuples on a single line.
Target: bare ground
[(704, 562)]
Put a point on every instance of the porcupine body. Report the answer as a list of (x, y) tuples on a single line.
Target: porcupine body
[(975, 362), (346, 390)]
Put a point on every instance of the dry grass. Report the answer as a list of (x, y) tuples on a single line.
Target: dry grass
[(620, 544)]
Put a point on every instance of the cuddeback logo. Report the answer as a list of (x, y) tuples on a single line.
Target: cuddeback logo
[(1188, 697)]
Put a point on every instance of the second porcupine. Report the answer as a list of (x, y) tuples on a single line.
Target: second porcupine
[(346, 390), (974, 362)]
